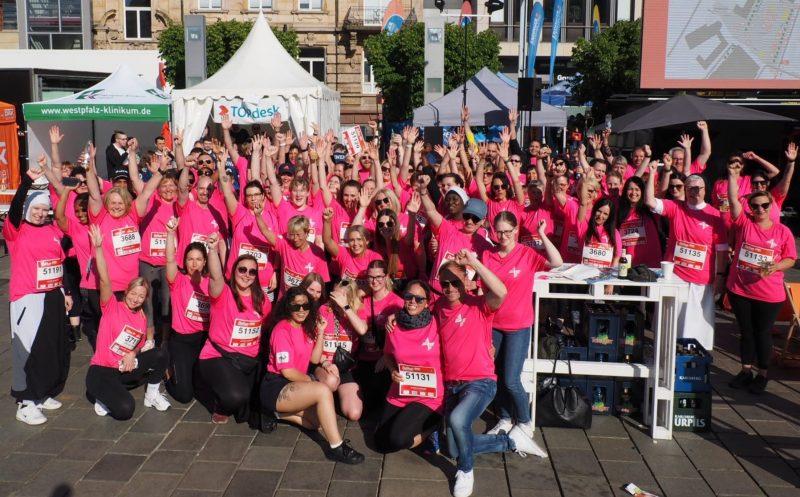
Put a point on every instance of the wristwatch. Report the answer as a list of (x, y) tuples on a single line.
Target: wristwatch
[(346, 307)]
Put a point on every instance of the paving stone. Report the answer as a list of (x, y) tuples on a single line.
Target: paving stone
[(266, 458), (491, 461), (531, 473), (85, 450), (283, 436), (684, 487), (116, 467), (754, 412), (235, 429), (607, 426), (94, 488), (566, 438), (154, 421), (744, 445), (781, 491), (225, 448), (706, 454), (353, 489), (208, 476), (417, 488), (615, 449), (106, 428), (583, 486), (197, 413), (7, 488), (728, 420), (56, 472), (574, 462), (530, 492), (298, 493), (619, 473), (188, 436), (195, 493), (770, 471), (406, 464), (671, 467), (151, 485), (49, 441), (727, 482), (74, 418), (307, 476), (248, 483), (137, 443), (490, 483), (368, 471), (309, 450), (790, 454), (363, 441), (778, 432), (647, 446), (169, 461), (22, 467)]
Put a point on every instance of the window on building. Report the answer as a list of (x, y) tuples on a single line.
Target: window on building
[(310, 5), (260, 4), (138, 20), (369, 86), (313, 60), (209, 4), (54, 24), (9, 15)]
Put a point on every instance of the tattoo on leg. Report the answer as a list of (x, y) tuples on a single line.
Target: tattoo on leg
[(285, 391)]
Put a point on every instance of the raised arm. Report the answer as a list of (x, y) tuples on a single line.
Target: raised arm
[(100, 264), (733, 193), (216, 278), (430, 208), (265, 230), (495, 289), (275, 192), (133, 167), (226, 185), (479, 181), (227, 124), (183, 187), (172, 265), (705, 145), (649, 189), (62, 221), (782, 188), (149, 189), (180, 159), (553, 255), (768, 166), (666, 174), (686, 144), (363, 204), (93, 184), (645, 163), (327, 237)]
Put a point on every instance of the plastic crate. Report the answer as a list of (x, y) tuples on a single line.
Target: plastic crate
[(693, 372), (601, 325), (691, 411), (600, 392), (629, 395), (631, 334)]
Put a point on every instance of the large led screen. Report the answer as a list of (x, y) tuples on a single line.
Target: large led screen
[(721, 44)]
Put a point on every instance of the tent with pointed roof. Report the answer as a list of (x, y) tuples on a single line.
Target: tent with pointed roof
[(261, 70)]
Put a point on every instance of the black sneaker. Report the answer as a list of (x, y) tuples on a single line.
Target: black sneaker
[(345, 454), (759, 384), (742, 380)]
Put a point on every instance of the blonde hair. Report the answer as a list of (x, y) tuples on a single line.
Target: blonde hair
[(353, 296), (394, 202), (298, 222), (361, 230), (142, 282), (123, 193)]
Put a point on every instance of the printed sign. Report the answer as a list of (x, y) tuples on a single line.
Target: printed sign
[(354, 140), (242, 112)]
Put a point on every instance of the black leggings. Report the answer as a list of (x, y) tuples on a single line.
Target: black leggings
[(184, 349), (399, 425), (229, 387), (110, 387), (755, 319), (90, 315)]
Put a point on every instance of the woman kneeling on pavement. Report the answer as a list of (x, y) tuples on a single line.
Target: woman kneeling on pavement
[(298, 388)]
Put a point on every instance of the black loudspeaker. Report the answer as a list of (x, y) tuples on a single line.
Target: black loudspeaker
[(529, 94), (434, 135)]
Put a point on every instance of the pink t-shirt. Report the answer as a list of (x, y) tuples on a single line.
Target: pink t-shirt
[(573, 231), (121, 331), (154, 234), (466, 332), (191, 305), (557, 213), (234, 330), (338, 333), (122, 244), (529, 227), (248, 239), (406, 258), (355, 268), (640, 240), (418, 356), (296, 264), (197, 222), (402, 219), (342, 218), (694, 237), (600, 251), (719, 194), (289, 348), (755, 246), (494, 208), (79, 234), (451, 241), (37, 258), (516, 270), (383, 308), (287, 210)]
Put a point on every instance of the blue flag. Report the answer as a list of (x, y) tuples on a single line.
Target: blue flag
[(534, 35), (558, 15)]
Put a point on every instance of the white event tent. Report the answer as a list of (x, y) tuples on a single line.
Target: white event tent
[(261, 69)]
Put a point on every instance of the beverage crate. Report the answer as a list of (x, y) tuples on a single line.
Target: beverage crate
[(601, 324), (692, 367), (600, 392), (631, 334), (629, 397), (691, 411)]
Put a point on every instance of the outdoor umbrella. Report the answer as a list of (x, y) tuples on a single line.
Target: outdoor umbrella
[(685, 109)]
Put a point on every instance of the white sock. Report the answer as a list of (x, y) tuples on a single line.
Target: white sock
[(153, 388), (333, 446)]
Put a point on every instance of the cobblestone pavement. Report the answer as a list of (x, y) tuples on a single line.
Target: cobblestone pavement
[(753, 449)]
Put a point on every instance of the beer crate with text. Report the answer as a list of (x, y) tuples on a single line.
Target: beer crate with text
[(692, 366), (691, 411)]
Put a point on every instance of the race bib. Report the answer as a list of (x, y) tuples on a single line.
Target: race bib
[(418, 381), (633, 233), (291, 278), (343, 233), (597, 254), (752, 258), (199, 238), (449, 256), (690, 255), (258, 251), (158, 244), (127, 340), (49, 274), (532, 241), (246, 333), (126, 241), (198, 308), (331, 342)]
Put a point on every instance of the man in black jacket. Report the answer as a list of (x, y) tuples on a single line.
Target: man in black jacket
[(117, 152)]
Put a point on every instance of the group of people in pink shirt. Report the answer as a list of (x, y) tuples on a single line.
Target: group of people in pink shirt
[(284, 279)]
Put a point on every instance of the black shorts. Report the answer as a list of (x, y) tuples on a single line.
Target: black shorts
[(270, 390)]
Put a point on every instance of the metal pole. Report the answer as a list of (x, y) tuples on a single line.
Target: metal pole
[(464, 104)]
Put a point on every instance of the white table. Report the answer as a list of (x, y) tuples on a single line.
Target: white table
[(668, 296)]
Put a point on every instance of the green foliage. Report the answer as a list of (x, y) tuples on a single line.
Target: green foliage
[(607, 64), (398, 62), (223, 38)]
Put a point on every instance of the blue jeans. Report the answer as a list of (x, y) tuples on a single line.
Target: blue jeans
[(511, 350), (464, 404)]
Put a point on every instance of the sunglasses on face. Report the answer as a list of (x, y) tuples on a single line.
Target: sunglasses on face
[(344, 283), (206, 172), (416, 298), (450, 283), (205, 161), (758, 183), (676, 187), (734, 161), (498, 187), (248, 271), (695, 189), (387, 224), (755, 206), (299, 307), (385, 169), (381, 201), (472, 217), (514, 160)]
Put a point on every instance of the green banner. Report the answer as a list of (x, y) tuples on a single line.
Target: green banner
[(95, 112)]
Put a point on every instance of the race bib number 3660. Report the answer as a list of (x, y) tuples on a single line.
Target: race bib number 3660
[(418, 381)]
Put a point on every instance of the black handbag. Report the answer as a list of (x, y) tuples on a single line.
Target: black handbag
[(243, 363), (343, 359), (562, 407)]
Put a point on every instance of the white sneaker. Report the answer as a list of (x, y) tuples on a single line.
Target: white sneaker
[(100, 409), (30, 414), (523, 444), (527, 429), (156, 400), (465, 481), (50, 404), (502, 426)]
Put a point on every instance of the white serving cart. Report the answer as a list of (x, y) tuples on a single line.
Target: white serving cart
[(668, 296)]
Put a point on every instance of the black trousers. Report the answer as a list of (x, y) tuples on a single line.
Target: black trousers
[(184, 350), (230, 389), (110, 387), (755, 319), (399, 425)]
